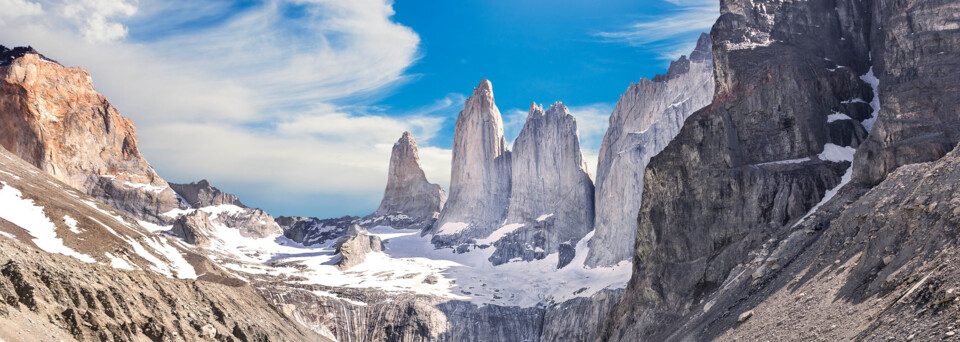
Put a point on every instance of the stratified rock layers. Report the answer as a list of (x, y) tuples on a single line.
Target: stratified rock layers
[(480, 175), (409, 196), (646, 118), (551, 201), (52, 117), (750, 164), (916, 60)]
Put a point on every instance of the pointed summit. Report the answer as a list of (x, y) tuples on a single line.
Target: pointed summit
[(480, 173), (485, 87), (704, 49), (408, 192), (551, 196)]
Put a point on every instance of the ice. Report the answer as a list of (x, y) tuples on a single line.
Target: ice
[(29, 216)]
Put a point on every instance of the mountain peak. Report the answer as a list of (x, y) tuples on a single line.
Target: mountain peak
[(8, 55), (485, 87), (704, 49)]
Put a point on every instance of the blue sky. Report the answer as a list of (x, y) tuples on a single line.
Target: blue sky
[(294, 105)]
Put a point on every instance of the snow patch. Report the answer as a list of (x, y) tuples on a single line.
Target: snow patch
[(117, 262), (450, 228), (10, 174), (544, 217), (500, 233), (72, 224), (874, 83), (29, 216), (836, 116)]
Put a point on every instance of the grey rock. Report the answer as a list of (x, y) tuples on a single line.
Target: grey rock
[(552, 193), (712, 195), (202, 194), (354, 246), (578, 319), (647, 117), (409, 201), (311, 230), (480, 175), (251, 222), (916, 57), (194, 228)]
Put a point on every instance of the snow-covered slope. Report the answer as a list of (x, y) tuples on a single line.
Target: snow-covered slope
[(44, 212)]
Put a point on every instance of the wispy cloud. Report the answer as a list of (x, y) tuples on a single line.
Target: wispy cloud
[(663, 33), (280, 96)]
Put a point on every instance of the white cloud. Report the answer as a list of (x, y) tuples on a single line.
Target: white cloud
[(257, 100), (13, 9), (660, 33)]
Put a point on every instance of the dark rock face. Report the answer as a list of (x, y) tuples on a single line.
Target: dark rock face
[(749, 164), (8, 55), (312, 231), (202, 194), (915, 47), (647, 117), (578, 319), (409, 201)]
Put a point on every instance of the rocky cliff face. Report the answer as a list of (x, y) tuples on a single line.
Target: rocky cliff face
[(372, 315), (77, 269), (646, 118), (916, 59), (354, 246), (480, 176), (202, 194), (52, 117), (410, 201), (755, 161), (221, 209), (551, 197), (746, 208)]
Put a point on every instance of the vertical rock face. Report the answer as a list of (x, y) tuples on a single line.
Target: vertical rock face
[(551, 201), (916, 60), (409, 196), (480, 175), (52, 117), (754, 161), (646, 118)]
